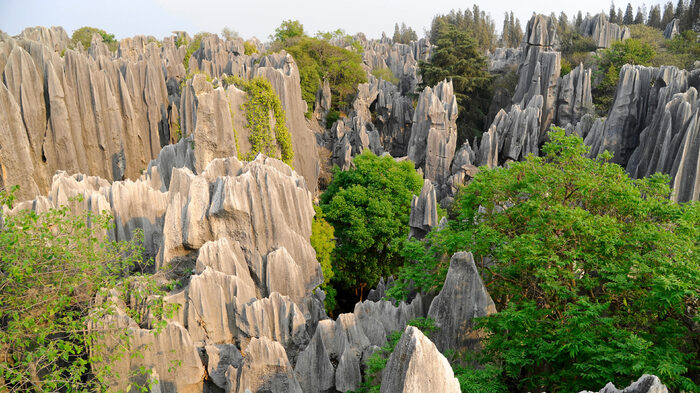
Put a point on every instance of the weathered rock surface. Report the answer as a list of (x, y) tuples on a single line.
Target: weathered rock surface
[(645, 384), (463, 297), (602, 31), (434, 133), (417, 366), (401, 59), (574, 99), (423, 211), (672, 29), (541, 31), (265, 368), (504, 59)]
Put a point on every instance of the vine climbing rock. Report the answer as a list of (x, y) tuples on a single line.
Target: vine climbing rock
[(416, 366)]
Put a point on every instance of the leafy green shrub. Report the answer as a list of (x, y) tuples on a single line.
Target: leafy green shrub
[(323, 242), (331, 118), (385, 74), (262, 100), (565, 66), (288, 29), (484, 379), (249, 48), (594, 274), (52, 266), (686, 47), (319, 60), (191, 48), (369, 206), (610, 62), (84, 36)]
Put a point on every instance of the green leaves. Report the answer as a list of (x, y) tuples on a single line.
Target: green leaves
[(369, 207), (595, 275)]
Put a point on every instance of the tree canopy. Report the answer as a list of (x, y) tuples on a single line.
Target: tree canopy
[(369, 207), (595, 275), (456, 56)]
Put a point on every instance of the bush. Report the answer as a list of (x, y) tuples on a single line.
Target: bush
[(249, 48), (52, 266), (323, 242), (385, 74), (609, 64), (594, 274), (84, 36), (369, 206), (331, 118), (288, 29)]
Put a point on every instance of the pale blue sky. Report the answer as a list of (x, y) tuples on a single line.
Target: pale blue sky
[(259, 18)]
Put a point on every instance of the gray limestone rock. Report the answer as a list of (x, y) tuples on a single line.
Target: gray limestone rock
[(219, 358), (574, 99), (539, 75), (265, 368), (672, 29), (423, 211), (541, 31), (602, 31), (504, 59), (463, 297), (417, 366), (434, 132), (645, 384)]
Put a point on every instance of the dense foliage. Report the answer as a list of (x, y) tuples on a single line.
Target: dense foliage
[(595, 275), (457, 57), (263, 101), (288, 29), (52, 266), (84, 36), (512, 32), (610, 62), (323, 242), (475, 22), (318, 60), (369, 207), (403, 35)]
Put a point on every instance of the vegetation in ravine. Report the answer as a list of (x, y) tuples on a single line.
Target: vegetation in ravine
[(323, 242), (594, 274), (55, 270), (319, 60), (369, 207)]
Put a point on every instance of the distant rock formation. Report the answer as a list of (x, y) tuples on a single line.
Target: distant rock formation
[(504, 59), (602, 31), (645, 384), (672, 29), (541, 31), (434, 133), (401, 59), (423, 211), (417, 366)]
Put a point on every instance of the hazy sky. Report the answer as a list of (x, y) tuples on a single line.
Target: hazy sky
[(259, 18)]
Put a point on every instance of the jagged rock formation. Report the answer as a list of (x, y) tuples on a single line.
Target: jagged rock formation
[(416, 366), (672, 29), (434, 133), (602, 31), (423, 211), (539, 75), (108, 114), (401, 59), (504, 59), (516, 134), (463, 168), (339, 349), (380, 121), (541, 31), (574, 99), (645, 384), (463, 297)]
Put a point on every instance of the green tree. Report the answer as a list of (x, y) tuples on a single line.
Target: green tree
[(612, 16), (639, 17), (456, 56), (610, 62), (84, 36), (319, 60), (397, 34), (288, 29), (629, 15), (369, 207), (668, 14), (323, 242), (655, 17), (52, 266), (594, 274)]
